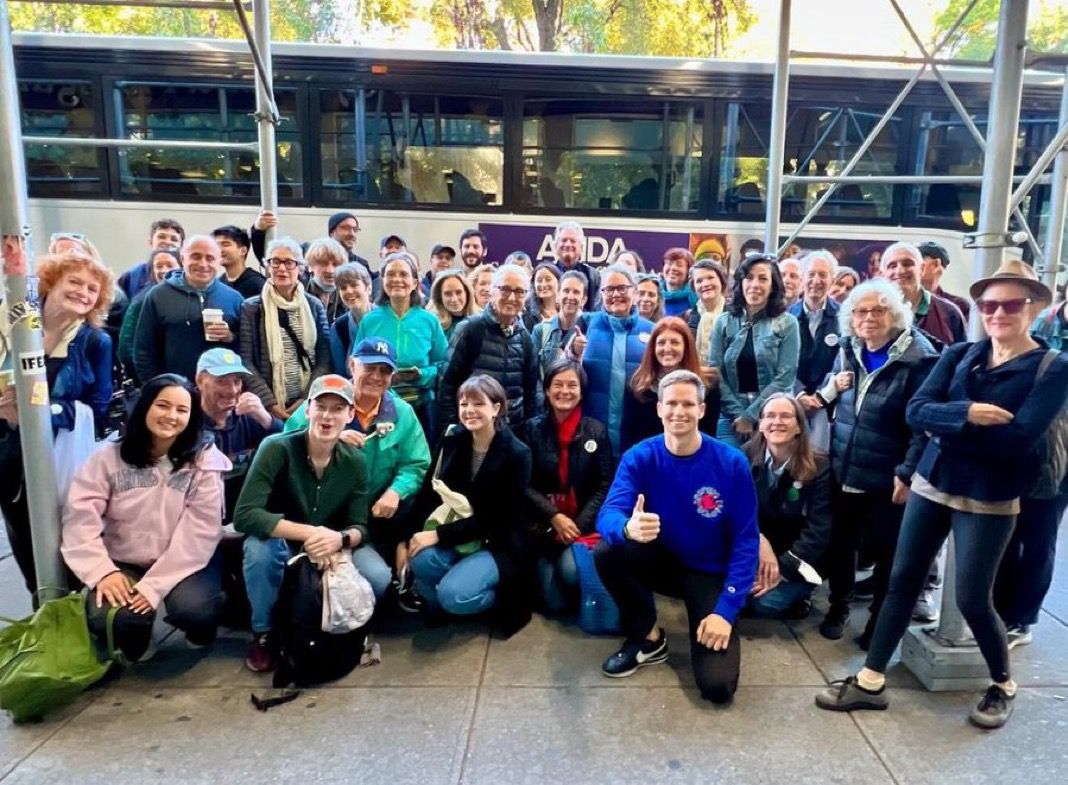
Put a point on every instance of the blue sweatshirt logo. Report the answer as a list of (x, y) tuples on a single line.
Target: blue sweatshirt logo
[(708, 502)]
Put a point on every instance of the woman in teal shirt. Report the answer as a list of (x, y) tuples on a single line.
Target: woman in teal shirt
[(400, 318)]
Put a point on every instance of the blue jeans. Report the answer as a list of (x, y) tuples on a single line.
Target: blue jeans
[(558, 581), (780, 599), (978, 543), (461, 585), (265, 563)]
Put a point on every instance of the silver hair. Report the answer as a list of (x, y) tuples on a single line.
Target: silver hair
[(196, 238), (289, 244), (791, 260), (504, 269), (822, 254), (326, 248), (564, 225), (908, 248), (681, 377), (887, 294), (350, 272), (622, 269), (575, 275)]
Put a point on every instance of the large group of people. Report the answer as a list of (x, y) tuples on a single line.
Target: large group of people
[(734, 438)]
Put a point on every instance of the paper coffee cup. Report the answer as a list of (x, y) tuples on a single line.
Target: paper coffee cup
[(211, 316), (7, 376)]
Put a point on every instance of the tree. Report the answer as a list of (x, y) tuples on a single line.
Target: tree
[(692, 28), (1047, 28), (291, 20)]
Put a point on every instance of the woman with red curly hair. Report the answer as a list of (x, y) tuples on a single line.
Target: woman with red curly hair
[(671, 347), (75, 291)]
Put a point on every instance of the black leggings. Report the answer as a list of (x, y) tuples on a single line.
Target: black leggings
[(1027, 567), (631, 572), (874, 518), (978, 544)]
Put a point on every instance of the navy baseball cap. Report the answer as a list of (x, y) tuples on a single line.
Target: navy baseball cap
[(375, 351)]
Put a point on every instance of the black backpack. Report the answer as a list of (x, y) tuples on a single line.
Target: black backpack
[(307, 655)]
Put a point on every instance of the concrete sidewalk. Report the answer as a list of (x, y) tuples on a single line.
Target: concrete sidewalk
[(453, 705)]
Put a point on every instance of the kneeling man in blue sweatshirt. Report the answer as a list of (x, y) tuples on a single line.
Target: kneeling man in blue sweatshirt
[(681, 519)]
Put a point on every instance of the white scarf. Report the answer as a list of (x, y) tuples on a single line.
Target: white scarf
[(704, 330), (303, 323)]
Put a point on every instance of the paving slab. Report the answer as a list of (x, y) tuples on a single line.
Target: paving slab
[(925, 739), (5, 546), (1056, 602), (554, 653), (193, 736), (14, 599), (411, 657), (18, 742), (584, 736)]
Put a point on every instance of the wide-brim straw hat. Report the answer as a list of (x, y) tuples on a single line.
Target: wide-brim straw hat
[(1015, 271)]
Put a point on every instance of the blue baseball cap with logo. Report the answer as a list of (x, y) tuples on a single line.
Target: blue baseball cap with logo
[(221, 362), (375, 351)]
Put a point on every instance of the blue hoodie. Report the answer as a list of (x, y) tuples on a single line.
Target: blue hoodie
[(170, 330), (707, 506)]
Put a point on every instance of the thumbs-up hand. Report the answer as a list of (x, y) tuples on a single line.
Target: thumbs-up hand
[(643, 526), (578, 343)]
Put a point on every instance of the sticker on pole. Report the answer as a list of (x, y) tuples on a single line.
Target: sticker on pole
[(14, 252), (32, 363), (22, 310), (39, 394)]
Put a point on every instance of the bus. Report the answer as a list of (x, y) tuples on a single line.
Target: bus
[(647, 153)]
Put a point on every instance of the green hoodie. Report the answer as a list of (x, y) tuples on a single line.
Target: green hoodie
[(398, 459)]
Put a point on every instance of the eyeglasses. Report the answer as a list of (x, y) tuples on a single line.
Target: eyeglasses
[(275, 262), (620, 289), (864, 313), (508, 291), (1011, 307)]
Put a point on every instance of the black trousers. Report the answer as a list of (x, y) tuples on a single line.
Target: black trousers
[(633, 572), (194, 605), (1026, 570), (874, 518)]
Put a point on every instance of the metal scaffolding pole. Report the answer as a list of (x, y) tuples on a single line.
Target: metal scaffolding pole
[(27, 343), (777, 140), (1005, 95), (1058, 203), (259, 41)]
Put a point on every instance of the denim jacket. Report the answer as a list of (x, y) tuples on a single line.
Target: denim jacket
[(777, 345)]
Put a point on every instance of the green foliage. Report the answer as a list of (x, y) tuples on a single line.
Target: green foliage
[(1047, 28), (291, 20), (690, 28)]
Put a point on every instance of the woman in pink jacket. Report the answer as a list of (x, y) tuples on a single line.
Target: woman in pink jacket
[(143, 519)]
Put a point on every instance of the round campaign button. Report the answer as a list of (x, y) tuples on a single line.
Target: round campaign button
[(830, 339), (590, 446)]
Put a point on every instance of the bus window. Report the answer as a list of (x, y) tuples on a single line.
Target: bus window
[(203, 113), (416, 149), (820, 141), (61, 109), (613, 157), (947, 147)]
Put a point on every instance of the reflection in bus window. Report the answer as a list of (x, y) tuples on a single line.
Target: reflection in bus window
[(617, 157), (421, 149), (946, 147), (203, 113), (820, 141), (61, 109)]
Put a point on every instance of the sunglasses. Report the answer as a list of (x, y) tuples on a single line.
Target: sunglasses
[(1011, 307)]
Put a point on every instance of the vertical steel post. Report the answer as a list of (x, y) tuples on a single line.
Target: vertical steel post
[(998, 160), (360, 142), (1058, 202), (1000, 154), (777, 138), (265, 117), (27, 344)]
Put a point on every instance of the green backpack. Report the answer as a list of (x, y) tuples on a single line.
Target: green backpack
[(47, 659)]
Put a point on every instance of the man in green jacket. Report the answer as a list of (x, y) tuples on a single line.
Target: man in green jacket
[(394, 447), (305, 489)]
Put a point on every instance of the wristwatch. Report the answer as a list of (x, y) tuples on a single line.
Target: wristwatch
[(346, 540)]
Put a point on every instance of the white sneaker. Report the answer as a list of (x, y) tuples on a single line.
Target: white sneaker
[(1019, 635), (926, 610)]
